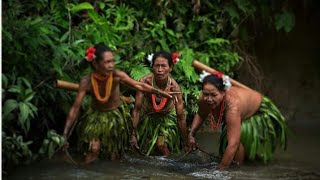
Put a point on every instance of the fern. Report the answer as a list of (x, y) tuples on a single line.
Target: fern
[(138, 71)]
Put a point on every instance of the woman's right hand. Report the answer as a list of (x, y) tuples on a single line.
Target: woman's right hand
[(134, 142), (167, 95), (192, 143), (162, 93)]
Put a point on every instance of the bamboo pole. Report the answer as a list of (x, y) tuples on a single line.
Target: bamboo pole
[(200, 66), (66, 85), (74, 87)]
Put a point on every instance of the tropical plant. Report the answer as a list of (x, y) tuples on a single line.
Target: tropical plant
[(18, 103)]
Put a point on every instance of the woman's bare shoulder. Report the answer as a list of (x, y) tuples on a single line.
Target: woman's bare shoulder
[(85, 81), (233, 100), (174, 85), (119, 73), (147, 78)]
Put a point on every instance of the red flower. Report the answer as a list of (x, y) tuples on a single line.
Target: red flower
[(90, 57), (90, 49), (175, 58), (90, 53), (217, 73)]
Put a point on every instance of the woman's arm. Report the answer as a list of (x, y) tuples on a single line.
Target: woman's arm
[(136, 109), (140, 86), (75, 107), (233, 120), (196, 124), (180, 116), (136, 118)]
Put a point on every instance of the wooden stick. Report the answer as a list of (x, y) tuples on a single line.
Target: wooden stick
[(174, 92), (74, 87), (200, 66), (66, 85)]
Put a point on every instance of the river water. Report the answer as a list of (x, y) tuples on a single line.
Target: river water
[(300, 161)]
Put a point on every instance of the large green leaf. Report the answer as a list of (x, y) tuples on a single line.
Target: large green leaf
[(82, 6), (24, 112), (9, 106)]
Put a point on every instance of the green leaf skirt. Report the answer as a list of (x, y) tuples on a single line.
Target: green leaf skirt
[(159, 125), (262, 133), (111, 128)]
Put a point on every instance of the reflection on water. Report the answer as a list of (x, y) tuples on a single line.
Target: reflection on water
[(196, 165)]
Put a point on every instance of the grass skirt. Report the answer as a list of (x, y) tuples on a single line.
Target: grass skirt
[(159, 125), (110, 127), (262, 133)]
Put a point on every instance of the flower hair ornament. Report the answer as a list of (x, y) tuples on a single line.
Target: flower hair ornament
[(175, 58), (203, 75), (225, 79), (90, 53), (150, 56)]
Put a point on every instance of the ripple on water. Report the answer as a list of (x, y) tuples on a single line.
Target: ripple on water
[(211, 174)]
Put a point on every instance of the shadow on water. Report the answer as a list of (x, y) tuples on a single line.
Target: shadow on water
[(196, 165)]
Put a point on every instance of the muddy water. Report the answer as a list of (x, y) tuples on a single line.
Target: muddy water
[(300, 161)]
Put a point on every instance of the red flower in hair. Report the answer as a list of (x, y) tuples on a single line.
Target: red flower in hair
[(90, 49), (90, 57), (90, 53), (217, 73), (175, 58)]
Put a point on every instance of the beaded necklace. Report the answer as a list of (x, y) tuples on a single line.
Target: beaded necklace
[(215, 124), (108, 86), (164, 100)]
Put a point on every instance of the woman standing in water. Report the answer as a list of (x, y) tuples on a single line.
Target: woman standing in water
[(158, 122), (252, 125)]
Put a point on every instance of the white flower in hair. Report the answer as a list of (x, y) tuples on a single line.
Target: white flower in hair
[(203, 75), (150, 56), (226, 82)]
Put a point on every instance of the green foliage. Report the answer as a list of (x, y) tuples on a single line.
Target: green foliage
[(52, 142), (82, 6), (285, 21), (138, 71), (15, 150), (18, 105)]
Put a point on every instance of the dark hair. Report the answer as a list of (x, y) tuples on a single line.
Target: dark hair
[(100, 49), (164, 54), (214, 80)]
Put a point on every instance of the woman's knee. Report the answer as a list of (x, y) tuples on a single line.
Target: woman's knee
[(161, 143), (95, 146)]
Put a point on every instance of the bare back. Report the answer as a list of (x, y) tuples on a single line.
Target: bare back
[(247, 101)]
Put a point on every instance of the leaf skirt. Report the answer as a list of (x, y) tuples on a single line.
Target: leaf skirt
[(111, 128), (158, 125)]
